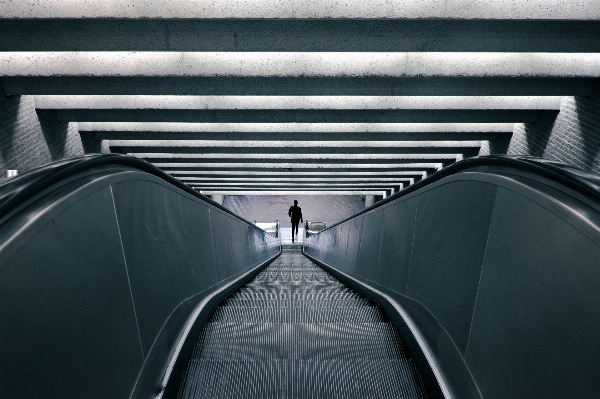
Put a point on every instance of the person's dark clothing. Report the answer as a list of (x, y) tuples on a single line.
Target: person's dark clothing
[(295, 213)]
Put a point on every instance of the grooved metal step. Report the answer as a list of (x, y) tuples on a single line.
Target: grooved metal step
[(295, 331)]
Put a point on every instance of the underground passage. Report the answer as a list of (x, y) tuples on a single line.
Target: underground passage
[(291, 199), (125, 282)]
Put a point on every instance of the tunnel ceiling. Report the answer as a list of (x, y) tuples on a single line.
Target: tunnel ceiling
[(279, 96)]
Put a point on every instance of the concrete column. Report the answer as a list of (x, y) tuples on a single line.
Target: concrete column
[(27, 142), (218, 198), (369, 200)]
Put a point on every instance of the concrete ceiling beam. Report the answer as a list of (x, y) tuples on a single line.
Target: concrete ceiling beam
[(258, 174), (292, 192), (351, 186), (299, 35), (301, 116), (286, 9), (260, 145), (296, 127), (308, 190), (297, 167), (184, 159), (278, 136), (389, 190), (391, 181), (297, 103), (465, 151), (304, 109), (306, 174), (207, 176), (370, 86), (286, 163), (300, 64)]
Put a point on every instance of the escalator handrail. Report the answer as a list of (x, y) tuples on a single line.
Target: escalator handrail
[(19, 189), (585, 183)]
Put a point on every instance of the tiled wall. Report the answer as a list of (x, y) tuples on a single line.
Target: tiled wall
[(572, 138), (26, 142)]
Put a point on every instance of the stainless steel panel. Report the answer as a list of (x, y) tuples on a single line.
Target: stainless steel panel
[(160, 271), (199, 243), (397, 232), (536, 322), (68, 322), (450, 237), (368, 255)]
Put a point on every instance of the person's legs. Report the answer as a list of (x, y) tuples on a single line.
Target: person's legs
[(294, 226)]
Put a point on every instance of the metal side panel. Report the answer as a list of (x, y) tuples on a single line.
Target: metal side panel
[(222, 242), (368, 255), (350, 260), (449, 244), (67, 315), (503, 278), (199, 243), (397, 233), (160, 271), (536, 323)]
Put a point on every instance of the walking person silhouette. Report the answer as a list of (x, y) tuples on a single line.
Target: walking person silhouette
[(295, 213)]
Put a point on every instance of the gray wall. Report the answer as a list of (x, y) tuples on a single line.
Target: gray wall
[(573, 137), (318, 208), (509, 273), (27, 141)]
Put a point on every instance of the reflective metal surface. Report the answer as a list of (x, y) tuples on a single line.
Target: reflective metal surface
[(295, 331), (497, 266), (313, 227), (102, 265)]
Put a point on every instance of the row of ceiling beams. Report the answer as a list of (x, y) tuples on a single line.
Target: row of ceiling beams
[(283, 97)]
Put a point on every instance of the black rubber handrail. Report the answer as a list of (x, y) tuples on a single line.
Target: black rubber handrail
[(585, 183), (20, 188)]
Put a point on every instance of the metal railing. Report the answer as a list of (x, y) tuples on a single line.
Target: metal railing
[(311, 228), (269, 227)]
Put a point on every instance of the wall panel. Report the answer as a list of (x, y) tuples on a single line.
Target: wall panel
[(64, 297), (397, 231), (160, 271), (449, 244)]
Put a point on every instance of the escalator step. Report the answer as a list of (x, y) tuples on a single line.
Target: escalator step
[(295, 331), (301, 341), (304, 379), (298, 315)]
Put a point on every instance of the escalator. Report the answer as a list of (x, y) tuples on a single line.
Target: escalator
[(295, 331), (119, 281)]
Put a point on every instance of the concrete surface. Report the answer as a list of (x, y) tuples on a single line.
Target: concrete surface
[(300, 64), (363, 9)]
